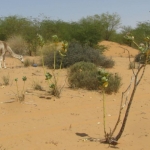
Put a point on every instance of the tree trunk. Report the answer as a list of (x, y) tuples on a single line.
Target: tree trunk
[(127, 112)]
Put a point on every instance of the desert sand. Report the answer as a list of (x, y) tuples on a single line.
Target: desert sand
[(58, 123)]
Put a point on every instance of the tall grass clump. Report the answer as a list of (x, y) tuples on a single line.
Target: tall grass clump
[(6, 79), (18, 44), (27, 62)]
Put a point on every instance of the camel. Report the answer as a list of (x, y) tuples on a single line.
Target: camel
[(4, 47)]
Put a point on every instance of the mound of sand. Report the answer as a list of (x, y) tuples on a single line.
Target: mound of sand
[(118, 50)]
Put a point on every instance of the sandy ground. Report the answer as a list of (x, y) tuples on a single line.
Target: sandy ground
[(56, 123)]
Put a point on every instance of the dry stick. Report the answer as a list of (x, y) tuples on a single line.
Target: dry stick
[(63, 85), (17, 91), (43, 61), (129, 58), (141, 75), (104, 113), (129, 104), (121, 106), (57, 93)]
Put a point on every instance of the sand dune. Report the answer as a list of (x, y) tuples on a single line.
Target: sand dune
[(115, 49)]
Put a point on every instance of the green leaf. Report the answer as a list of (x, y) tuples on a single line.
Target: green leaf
[(48, 76), (16, 79), (24, 78), (52, 86)]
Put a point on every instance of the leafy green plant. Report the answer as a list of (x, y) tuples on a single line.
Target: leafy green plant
[(103, 84), (140, 58), (21, 95), (47, 74), (53, 85)]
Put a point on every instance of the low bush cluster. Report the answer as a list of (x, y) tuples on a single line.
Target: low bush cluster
[(76, 53), (84, 75)]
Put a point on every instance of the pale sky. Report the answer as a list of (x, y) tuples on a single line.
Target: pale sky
[(130, 11)]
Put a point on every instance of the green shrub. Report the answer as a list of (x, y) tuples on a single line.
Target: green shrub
[(114, 83), (49, 59), (76, 53), (106, 62), (84, 75)]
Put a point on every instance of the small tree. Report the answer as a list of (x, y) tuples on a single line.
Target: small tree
[(136, 79)]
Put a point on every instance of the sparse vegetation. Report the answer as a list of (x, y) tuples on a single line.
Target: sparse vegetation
[(53, 84), (27, 62), (6, 79), (136, 77), (20, 96), (83, 55), (37, 86)]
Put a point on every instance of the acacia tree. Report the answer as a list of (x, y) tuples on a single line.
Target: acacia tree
[(86, 31), (141, 31), (110, 23), (13, 25), (125, 30)]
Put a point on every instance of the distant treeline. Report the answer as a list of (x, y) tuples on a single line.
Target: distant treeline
[(89, 30)]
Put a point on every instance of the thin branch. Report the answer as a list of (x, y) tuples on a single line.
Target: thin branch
[(121, 105), (129, 58), (143, 66)]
